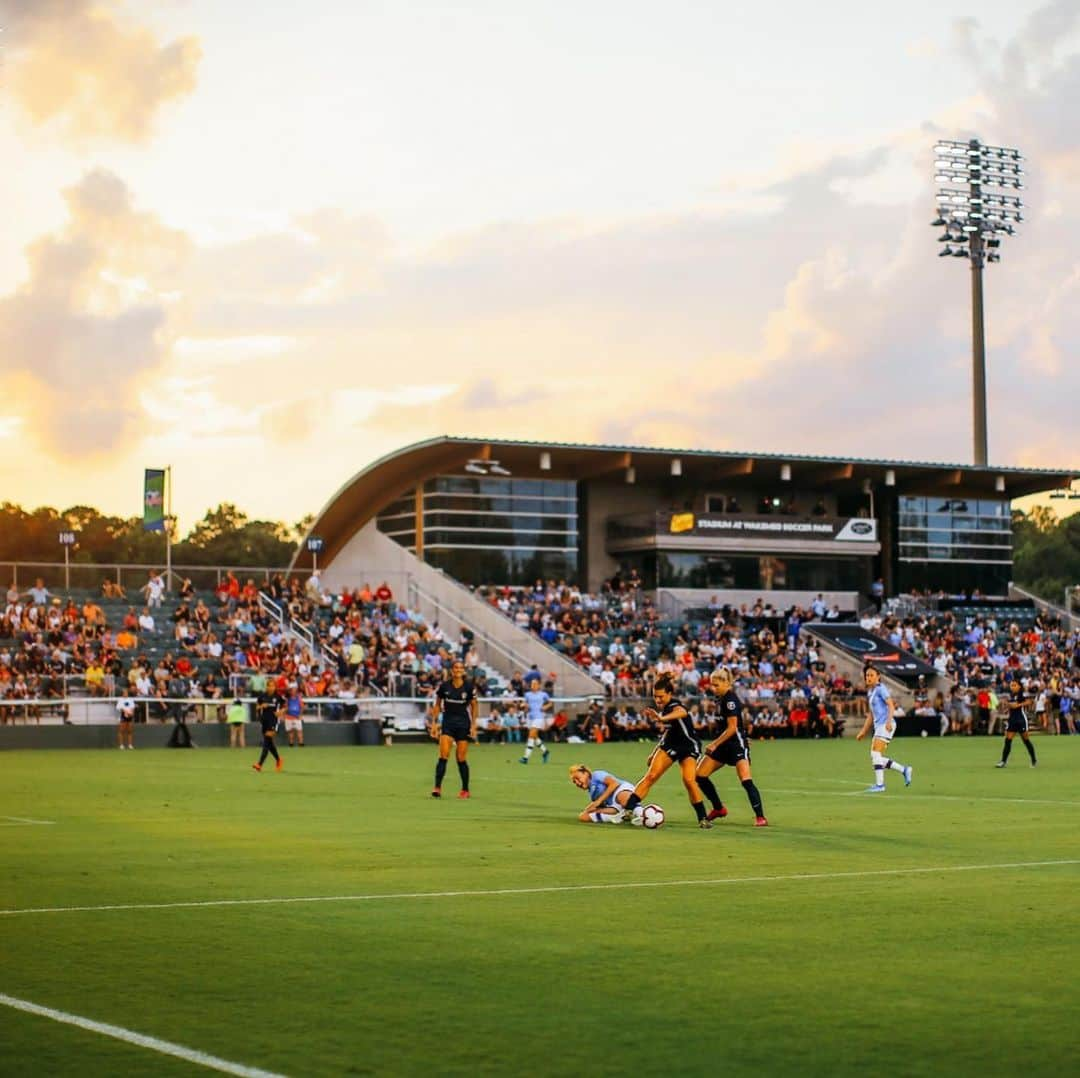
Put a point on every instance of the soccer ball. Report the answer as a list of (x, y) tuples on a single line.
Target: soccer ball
[(652, 816)]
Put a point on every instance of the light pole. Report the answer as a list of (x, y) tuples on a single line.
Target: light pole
[(975, 211)]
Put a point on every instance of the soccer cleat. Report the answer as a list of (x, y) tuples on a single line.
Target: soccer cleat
[(1000, 763), (464, 795), (636, 818), (256, 767), (1034, 763), (437, 792), (717, 814), (705, 825), (523, 760), (877, 788), (279, 765), (760, 821), (907, 775), (544, 758)]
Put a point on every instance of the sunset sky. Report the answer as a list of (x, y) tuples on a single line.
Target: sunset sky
[(266, 243)]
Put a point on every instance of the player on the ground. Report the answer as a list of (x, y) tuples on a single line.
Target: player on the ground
[(1017, 724), (880, 714), (453, 718), (608, 795), (677, 745), (731, 747), (537, 704), (269, 708)]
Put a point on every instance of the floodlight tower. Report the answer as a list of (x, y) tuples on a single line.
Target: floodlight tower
[(975, 216)]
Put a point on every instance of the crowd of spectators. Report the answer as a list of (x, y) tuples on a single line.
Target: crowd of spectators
[(361, 641), (619, 637), (214, 647), (981, 653)]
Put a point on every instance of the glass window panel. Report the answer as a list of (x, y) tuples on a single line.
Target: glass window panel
[(447, 537)]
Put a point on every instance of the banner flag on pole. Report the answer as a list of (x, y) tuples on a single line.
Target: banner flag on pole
[(154, 500)]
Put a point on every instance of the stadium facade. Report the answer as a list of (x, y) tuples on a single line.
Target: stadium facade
[(508, 512)]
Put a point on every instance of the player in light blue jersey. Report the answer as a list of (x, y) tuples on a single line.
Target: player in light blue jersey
[(608, 795), (537, 704), (881, 717)]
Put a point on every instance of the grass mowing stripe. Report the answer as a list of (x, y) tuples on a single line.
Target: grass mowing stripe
[(189, 1055), (900, 792), (23, 819), (217, 903)]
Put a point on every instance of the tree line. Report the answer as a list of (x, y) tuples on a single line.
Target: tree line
[(1046, 553), (224, 536)]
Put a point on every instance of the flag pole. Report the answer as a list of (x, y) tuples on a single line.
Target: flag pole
[(168, 527)]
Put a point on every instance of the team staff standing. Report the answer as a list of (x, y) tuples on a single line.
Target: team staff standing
[(453, 718), (125, 714), (677, 745), (731, 747)]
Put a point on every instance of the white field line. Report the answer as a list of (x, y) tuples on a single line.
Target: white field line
[(797, 877), (25, 820), (189, 1055), (901, 792)]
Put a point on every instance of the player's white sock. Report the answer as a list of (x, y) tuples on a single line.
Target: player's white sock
[(893, 765), (878, 762), (529, 745), (607, 817)]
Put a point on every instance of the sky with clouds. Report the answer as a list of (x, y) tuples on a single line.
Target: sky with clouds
[(267, 244)]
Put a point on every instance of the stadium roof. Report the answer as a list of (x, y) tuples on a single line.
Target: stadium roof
[(382, 482)]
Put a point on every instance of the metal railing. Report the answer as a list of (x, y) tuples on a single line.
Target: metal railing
[(516, 659), (84, 575), (1046, 607), (404, 712), (297, 630)]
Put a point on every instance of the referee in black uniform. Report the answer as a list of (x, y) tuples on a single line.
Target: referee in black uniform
[(453, 718), (677, 745), (1017, 724), (732, 747), (268, 709)]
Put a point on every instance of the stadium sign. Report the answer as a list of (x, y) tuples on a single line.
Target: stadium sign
[(736, 525)]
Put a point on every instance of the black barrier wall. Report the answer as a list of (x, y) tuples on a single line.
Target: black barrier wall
[(205, 735)]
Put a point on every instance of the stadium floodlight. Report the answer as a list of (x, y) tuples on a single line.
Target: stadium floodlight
[(975, 208), (495, 468), (476, 467)]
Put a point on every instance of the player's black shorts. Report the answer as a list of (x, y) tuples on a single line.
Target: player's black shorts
[(269, 728), (458, 729), (680, 748), (730, 752), (1017, 724)]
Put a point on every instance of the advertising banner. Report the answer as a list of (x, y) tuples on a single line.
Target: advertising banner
[(868, 647)]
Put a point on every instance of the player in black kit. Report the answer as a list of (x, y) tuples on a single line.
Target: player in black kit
[(677, 745), (1017, 724), (268, 709), (731, 747), (455, 705)]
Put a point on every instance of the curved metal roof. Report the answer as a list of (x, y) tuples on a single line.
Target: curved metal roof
[(382, 482)]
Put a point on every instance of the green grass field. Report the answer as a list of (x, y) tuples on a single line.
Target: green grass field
[(925, 931)]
